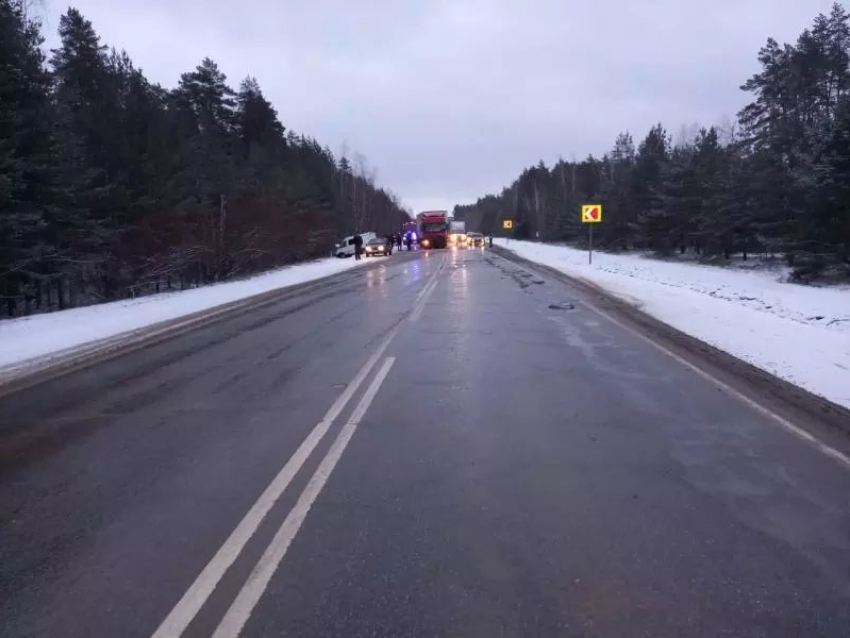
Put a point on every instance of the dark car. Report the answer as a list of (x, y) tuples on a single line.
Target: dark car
[(377, 246)]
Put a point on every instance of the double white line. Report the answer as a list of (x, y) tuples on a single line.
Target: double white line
[(240, 610), (425, 293)]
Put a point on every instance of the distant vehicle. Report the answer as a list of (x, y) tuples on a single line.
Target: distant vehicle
[(377, 246), (475, 239), (433, 228), (345, 248), (457, 233)]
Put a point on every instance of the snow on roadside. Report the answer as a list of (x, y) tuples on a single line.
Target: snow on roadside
[(26, 338), (799, 333)]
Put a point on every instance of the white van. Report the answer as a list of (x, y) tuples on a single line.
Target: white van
[(345, 248)]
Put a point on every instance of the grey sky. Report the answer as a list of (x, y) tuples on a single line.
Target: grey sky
[(451, 99)]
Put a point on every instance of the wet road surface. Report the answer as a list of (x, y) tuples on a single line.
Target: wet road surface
[(438, 445)]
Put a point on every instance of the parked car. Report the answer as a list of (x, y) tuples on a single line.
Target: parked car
[(345, 248), (378, 246)]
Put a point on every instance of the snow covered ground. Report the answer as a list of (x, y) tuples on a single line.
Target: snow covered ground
[(26, 338), (799, 333)]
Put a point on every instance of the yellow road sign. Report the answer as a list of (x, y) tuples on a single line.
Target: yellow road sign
[(591, 214), (507, 224)]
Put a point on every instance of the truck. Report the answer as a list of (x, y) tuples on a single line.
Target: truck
[(457, 232), (433, 228)]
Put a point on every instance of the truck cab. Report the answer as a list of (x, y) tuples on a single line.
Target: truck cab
[(433, 229)]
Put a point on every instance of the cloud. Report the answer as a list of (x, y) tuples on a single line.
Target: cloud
[(451, 99)]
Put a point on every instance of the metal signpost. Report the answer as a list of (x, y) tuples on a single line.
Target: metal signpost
[(591, 214), (508, 224)]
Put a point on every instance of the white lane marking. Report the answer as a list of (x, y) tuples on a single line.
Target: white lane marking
[(431, 280), (187, 608), (426, 286), (239, 612), (417, 311), (423, 296), (783, 422)]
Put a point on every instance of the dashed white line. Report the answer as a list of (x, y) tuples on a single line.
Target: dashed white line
[(239, 612)]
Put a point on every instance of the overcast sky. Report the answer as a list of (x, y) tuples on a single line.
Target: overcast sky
[(448, 99)]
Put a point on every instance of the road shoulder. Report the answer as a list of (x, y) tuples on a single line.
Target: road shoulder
[(822, 418), (31, 372)]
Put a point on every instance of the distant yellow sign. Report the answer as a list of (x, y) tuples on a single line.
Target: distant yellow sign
[(507, 224), (591, 214)]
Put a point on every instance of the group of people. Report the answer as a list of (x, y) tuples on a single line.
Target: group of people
[(391, 240), (398, 239)]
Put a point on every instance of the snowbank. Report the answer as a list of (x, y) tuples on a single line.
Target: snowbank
[(25, 338), (799, 333)]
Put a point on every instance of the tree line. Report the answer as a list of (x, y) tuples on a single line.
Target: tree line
[(776, 182), (113, 186)]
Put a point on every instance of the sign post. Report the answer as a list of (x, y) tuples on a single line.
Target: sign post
[(590, 214), (508, 224)]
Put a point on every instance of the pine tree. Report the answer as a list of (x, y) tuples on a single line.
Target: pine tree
[(25, 149), (83, 227), (256, 120), (647, 181), (825, 233), (616, 197), (206, 179), (696, 211)]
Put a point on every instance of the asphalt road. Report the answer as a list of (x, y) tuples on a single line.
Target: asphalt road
[(438, 445)]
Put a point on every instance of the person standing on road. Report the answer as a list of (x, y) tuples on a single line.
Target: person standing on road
[(390, 241), (398, 241), (409, 241), (358, 246)]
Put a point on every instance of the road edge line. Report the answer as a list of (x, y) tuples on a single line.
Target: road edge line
[(786, 424), (22, 375), (755, 405)]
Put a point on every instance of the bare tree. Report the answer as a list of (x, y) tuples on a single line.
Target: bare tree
[(727, 131)]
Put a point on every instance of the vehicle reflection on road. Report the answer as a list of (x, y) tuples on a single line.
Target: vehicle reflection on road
[(377, 278)]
